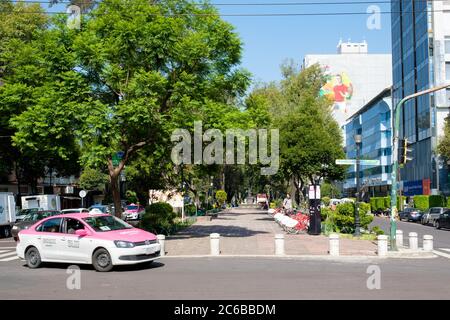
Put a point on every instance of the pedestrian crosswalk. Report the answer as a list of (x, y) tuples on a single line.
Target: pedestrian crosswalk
[(8, 254)]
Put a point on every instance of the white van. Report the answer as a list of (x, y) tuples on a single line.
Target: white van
[(7, 213)]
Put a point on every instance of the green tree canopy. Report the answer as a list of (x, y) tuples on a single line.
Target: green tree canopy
[(133, 73)]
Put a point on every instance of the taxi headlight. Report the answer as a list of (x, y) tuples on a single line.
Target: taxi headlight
[(15, 227), (123, 244)]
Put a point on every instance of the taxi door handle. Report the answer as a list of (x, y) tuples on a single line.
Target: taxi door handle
[(63, 239)]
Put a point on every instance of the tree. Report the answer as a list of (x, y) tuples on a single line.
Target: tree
[(444, 143), (135, 71), (310, 139), (93, 179), (21, 85)]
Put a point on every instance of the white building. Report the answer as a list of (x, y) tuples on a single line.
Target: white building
[(355, 77)]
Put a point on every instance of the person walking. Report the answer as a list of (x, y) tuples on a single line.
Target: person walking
[(287, 204)]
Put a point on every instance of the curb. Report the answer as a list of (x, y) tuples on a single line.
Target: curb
[(310, 257)]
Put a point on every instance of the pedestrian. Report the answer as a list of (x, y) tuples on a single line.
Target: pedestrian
[(287, 204)]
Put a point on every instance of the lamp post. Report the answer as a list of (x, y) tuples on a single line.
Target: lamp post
[(395, 135), (358, 140)]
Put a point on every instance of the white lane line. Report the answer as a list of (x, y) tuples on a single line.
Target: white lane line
[(9, 259), (445, 255), (2, 251), (7, 254), (444, 249)]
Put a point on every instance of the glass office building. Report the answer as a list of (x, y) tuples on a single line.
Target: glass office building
[(373, 123), (421, 60)]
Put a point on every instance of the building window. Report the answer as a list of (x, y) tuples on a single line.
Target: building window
[(447, 45), (447, 70)]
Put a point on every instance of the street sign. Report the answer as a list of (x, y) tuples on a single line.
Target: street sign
[(312, 194), (82, 193), (361, 162)]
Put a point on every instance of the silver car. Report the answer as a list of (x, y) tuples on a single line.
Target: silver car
[(432, 214)]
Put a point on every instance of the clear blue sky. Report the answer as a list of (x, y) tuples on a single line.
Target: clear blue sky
[(270, 40)]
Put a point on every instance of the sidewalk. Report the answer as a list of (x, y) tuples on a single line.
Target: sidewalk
[(251, 232)]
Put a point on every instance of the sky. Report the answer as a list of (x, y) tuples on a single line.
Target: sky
[(268, 41)]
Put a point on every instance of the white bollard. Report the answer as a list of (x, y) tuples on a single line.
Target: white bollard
[(162, 239), (279, 244), (215, 244), (413, 241), (399, 238), (382, 245), (334, 244), (427, 242)]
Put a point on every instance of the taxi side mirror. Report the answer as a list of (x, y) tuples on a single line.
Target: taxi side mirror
[(81, 233)]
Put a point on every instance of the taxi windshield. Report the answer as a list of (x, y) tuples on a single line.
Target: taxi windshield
[(132, 207), (106, 223)]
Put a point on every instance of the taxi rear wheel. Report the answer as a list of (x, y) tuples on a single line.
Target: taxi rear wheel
[(33, 258), (101, 260)]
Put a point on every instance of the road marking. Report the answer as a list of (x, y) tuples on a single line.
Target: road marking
[(10, 259), (444, 249), (445, 255), (4, 255)]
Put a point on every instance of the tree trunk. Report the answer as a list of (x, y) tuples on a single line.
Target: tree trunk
[(114, 179)]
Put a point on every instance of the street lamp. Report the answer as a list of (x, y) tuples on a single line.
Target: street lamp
[(358, 140), (395, 127)]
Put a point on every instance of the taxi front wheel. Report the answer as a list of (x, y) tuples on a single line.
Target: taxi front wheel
[(102, 260), (33, 258)]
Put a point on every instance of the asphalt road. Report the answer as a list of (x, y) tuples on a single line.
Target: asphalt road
[(441, 237), (233, 278)]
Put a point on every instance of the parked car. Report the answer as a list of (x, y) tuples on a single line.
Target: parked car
[(430, 216), (101, 208), (78, 210), (443, 221), (98, 239), (24, 212), (31, 219), (133, 212), (410, 214)]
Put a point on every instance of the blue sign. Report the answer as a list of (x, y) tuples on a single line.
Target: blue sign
[(412, 188)]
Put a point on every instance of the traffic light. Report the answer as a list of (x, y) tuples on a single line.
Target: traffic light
[(404, 152)]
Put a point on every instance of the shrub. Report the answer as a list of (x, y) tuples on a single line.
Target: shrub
[(380, 204), (326, 201), (436, 201), (221, 196), (131, 196), (373, 203), (344, 217), (190, 209), (158, 218), (377, 230), (421, 202)]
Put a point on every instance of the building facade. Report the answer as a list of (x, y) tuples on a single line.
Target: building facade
[(354, 77), (373, 123), (421, 60)]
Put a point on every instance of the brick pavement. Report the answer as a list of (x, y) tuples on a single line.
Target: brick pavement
[(251, 232)]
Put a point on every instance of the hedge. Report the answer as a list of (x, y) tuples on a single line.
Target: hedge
[(422, 202), (383, 203)]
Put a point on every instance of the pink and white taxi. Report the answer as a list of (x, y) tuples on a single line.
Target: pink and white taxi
[(86, 238)]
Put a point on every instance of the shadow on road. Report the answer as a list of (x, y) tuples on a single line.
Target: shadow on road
[(89, 267), (202, 231)]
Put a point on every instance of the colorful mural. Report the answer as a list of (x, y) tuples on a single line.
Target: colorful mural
[(339, 89)]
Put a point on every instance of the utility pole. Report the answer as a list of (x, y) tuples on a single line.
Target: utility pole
[(395, 135), (358, 140)]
